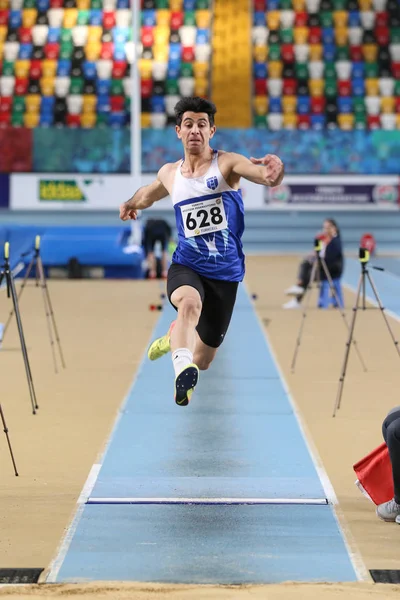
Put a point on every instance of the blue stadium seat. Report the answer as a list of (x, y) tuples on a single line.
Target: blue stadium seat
[(46, 119), (64, 67), (260, 70), (358, 70), (149, 18), (345, 104), (329, 51), (354, 18), (103, 103), (116, 120), (54, 34), (259, 19), (25, 51), (189, 4), (43, 5), (175, 51), (103, 87), (89, 69), (275, 105), (328, 35), (96, 17), (158, 104), (303, 105), (203, 36), (15, 19), (47, 105), (358, 85), (318, 121)]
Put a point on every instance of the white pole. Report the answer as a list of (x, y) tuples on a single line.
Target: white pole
[(136, 140)]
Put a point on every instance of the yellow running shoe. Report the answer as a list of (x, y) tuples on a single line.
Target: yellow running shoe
[(185, 383), (161, 346)]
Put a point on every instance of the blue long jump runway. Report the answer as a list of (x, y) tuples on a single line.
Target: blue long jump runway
[(222, 491)]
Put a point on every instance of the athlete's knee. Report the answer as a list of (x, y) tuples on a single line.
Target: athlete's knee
[(203, 363), (190, 307)]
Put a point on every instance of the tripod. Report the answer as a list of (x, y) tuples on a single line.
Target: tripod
[(319, 264), (7, 274), (364, 257), (36, 263), (8, 440)]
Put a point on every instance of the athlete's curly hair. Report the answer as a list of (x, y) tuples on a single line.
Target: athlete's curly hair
[(196, 105)]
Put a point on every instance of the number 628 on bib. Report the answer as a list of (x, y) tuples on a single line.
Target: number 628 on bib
[(206, 216)]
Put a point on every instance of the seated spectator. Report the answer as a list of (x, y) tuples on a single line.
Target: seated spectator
[(332, 253)]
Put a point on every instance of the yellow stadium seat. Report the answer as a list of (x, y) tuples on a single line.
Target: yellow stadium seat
[(200, 87), (203, 19), (299, 5), (316, 87), (70, 17), (92, 51), (290, 121), (1, 49), (4, 3), (145, 119), (365, 4), (32, 103), (273, 19), (260, 53), (275, 68), (300, 35), (94, 33), (83, 4), (88, 120), (161, 35), (201, 69), (340, 18), (398, 121), (29, 17), (315, 51), (176, 5), (370, 52), (260, 105), (31, 120), (21, 68), (341, 36), (289, 104), (89, 103), (163, 17), (372, 87), (145, 68), (346, 121), (49, 67), (47, 86), (3, 33), (160, 53), (387, 104)]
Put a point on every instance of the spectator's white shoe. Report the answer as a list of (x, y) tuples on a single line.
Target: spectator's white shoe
[(293, 303), (295, 290)]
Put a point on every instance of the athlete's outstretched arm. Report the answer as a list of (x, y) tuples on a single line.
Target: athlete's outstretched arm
[(268, 170), (143, 198)]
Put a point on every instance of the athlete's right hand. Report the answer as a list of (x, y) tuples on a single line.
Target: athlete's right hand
[(126, 212)]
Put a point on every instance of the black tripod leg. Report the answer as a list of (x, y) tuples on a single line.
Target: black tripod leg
[(22, 340), (307, 295), (332, 287), (47, 295), (23, 284), (348, 345), (5, 429), (382, 309), (47, 313)]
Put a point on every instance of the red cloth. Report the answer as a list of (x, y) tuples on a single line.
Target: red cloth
[(374, 472)]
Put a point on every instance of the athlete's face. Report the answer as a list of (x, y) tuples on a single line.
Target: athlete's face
[(195, 132)]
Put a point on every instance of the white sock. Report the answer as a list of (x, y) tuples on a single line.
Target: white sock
[(181, 358)]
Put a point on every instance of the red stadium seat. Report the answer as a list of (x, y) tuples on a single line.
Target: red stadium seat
[(260, 87)]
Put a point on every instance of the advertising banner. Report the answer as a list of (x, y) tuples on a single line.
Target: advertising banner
[(106, 192), (335, 191)]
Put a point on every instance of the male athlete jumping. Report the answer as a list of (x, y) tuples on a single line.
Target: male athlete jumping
[(208, 263)]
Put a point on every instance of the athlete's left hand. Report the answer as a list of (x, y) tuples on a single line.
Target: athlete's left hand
[(274, 169)]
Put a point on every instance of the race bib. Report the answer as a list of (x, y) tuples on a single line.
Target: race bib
[(203, 217)]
